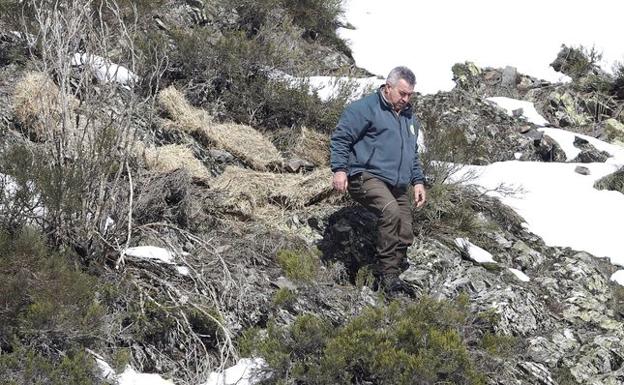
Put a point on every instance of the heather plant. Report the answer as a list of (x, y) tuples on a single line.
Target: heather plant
[(423, 342)]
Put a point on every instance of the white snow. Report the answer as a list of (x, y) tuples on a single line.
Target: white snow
[(618, 277), (156, 254), (150, 252), (520, 275), (106, 371), (528, 109), (129, 375), (248, 371), (475, 253), (104, 70), (132, 377), (327, 87)]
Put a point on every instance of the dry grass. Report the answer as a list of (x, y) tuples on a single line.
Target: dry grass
[(38, 106), (188, 118), (171, 157), (243, 142), (313, 146), (247, 190)]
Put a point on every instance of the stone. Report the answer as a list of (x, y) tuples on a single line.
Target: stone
[(492, 77), (549, 150), (510, 77), (582, 170), (614, 130), (525, 256), (221, 156), (294, 165), (534, 134), (589, 153)]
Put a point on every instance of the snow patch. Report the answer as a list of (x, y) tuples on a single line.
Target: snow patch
[(560, 205), (475, 253), (248, 371), (157, 254), (151, 252), (104, 70), (528, 109), (618, 277), (129, 376), (520, 275)]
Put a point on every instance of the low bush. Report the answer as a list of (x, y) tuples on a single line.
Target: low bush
[(421, 343), (25, 366), (299, 265), (47, 306), (284, 297)]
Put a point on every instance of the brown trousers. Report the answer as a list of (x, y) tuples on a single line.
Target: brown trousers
[(392, 207)]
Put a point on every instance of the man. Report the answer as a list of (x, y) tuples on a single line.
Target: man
[(374, 156)]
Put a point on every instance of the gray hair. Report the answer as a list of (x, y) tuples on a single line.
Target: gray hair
[(399, 73)]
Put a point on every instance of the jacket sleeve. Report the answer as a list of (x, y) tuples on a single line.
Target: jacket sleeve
[(417, 174), (351, 126)]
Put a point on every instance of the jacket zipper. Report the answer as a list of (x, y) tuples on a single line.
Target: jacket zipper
[(401, 159)]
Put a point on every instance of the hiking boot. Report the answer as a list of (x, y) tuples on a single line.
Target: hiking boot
[(394, 286)]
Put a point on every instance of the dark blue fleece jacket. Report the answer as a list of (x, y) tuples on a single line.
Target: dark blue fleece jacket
[(371, 137)]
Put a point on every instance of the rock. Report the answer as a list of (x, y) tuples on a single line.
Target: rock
[(589, 153), (221, 156), (600, 362), (549, 150), (295, 165), (510, 77), (582, 170), (520, 312), (492, 77), (526, 257), (614, 130), (538, 372), (534, 134)]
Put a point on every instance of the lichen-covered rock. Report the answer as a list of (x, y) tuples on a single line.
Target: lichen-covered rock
[(614, 130)]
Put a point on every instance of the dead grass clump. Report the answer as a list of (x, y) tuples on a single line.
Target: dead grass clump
[(38, 106), (245, 143), (313, 146), (242, 141), (247, 190), (188, 118), (171, 157)]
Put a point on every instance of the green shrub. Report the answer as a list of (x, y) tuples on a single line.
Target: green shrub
[(25, 366), (499, 345), (43, 293), (49, 311), (299, 265), (421, 343), (284, 297), (364, 277)]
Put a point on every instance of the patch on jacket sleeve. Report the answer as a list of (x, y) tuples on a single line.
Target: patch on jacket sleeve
[(411, 128)]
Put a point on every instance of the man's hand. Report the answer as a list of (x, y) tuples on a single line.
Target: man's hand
[(340, 181), (420, 195)]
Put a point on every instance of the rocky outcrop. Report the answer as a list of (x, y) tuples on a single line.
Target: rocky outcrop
[(460, 126)]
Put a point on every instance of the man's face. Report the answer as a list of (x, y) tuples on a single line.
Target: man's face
[(399, 94)]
